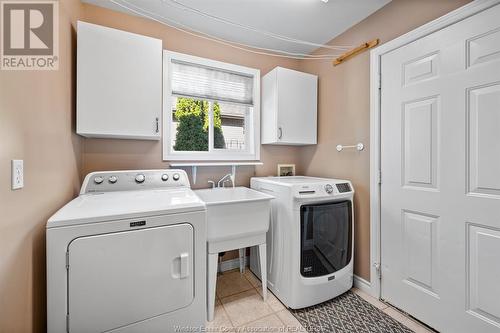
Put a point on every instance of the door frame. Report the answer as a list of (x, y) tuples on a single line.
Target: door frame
[(376, 54)]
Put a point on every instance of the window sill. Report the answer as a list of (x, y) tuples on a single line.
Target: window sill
[(194, 166), (236, 163)]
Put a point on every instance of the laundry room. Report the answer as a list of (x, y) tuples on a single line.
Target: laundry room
[(249, 166)]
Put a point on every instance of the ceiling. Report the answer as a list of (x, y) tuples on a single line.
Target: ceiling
[(310, 20)]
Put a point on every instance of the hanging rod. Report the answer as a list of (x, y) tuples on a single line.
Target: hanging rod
[(358, 146), (355, 51)]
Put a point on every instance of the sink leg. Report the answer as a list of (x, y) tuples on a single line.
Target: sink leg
[(263, 269), (211, 285), (242, 260)]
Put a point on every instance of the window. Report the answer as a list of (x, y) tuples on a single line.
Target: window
[(211, 109)]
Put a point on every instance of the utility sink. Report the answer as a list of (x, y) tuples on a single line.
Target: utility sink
[(237, 217), (234, 213)]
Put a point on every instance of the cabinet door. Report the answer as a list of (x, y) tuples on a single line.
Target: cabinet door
[(119, 80), (121, 278), (269, 98), (297, 107)]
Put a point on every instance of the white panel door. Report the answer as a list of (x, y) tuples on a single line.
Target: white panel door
[(440, 206), (121, 278)]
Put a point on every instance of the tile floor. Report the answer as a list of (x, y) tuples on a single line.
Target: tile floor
[(239, 306)]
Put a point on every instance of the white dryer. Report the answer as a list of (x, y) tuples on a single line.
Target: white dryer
[(310, 239), (128, 255)]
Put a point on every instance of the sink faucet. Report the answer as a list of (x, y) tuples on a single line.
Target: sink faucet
[(224, 179)]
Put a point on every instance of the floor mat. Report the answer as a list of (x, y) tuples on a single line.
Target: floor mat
[(345, 314)]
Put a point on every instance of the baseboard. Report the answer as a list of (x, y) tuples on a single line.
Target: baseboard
[(362, 285), (228, 265)]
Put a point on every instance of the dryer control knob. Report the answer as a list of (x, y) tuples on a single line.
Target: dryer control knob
[(176, 176), (140, 178), (112, 179), (98, 180), (164, 177), (329, 188)]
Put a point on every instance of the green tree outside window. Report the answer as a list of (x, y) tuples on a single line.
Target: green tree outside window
[(192, 129)]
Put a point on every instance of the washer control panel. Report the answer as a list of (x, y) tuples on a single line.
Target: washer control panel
[(327, 189), (108, 181)]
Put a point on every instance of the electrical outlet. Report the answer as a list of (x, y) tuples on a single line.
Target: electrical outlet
[(17, 174)]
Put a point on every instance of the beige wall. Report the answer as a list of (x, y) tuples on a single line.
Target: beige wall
[(37, 125), (344, 110)]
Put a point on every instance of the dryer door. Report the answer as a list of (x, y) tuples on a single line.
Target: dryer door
[(121, 278)]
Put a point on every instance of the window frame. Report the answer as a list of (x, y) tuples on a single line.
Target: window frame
[(252, 152)]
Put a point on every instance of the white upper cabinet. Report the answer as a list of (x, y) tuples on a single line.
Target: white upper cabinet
[(119, 84), (289, 107)]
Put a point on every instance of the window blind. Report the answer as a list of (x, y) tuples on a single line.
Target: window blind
[(194, 80)]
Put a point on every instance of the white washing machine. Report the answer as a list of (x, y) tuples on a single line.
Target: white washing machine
[(128, 255), (310, 239)]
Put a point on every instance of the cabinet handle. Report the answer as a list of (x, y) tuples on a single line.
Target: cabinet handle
[(280, 135), (184, 273), (157, 125)]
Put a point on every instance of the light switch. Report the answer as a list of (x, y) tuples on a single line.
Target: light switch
[(17, 174)]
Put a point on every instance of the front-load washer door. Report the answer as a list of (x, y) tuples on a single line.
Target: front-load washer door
[(325, 237), (121, 278)]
